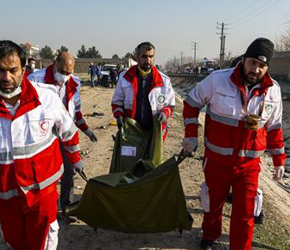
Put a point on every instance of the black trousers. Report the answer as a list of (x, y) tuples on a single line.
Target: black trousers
[(67, 182)]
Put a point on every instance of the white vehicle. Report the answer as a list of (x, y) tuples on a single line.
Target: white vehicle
[(106, 69), (208, 65), (105, 73), (187, 70), (209, 70)]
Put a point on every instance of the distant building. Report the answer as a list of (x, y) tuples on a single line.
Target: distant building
[(32, 50), (280, 65)]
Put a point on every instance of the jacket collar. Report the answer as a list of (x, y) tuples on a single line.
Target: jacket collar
[(29, 100), (71, 88), (132, 76), (236, 78), (49, 78)]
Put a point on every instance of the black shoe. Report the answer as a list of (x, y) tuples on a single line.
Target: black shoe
[(65, 218), (68, 220), (206, 244), (259, 220)]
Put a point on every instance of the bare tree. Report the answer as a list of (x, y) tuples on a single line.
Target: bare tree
[(172, 64), (283, 43), (278, 45), (285, 40)]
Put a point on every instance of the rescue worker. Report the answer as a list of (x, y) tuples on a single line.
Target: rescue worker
[(98, 73), (92, 73), (33, 120), (243, 119), (60, 74), (30, 67), (143, 92), (259, 214)]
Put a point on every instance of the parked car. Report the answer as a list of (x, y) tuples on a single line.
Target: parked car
[(105, 73), (187, 70)]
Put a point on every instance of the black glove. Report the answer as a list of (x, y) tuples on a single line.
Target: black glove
[(120, 122)]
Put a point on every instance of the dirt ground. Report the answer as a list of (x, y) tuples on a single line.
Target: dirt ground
[(273, 235)]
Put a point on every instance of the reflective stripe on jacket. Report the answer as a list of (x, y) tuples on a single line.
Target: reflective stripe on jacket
[(30, 157), (227, 139), (73, 86)]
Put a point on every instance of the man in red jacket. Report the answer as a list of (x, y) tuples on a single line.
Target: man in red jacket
[(243, 119), (143, 91), (60, 74), (32, 121)]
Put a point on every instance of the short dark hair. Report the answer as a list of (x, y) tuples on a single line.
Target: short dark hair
[(31, 59), (8, 48), (148, 45)]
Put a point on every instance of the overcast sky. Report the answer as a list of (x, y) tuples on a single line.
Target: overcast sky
[(117, 26)]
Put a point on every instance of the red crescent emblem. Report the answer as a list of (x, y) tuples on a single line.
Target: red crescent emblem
[(44, 126)]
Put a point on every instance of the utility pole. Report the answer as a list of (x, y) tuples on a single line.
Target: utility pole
[(176, 62), (194, 48), (181, 56), (221, 27)]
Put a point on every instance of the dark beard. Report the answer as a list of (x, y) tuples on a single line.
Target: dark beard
[(146, 67), (246, 79), (4, 90)]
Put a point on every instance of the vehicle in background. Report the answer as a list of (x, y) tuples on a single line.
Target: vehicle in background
[(106, 69), (208, 66), (187, 70), (105, 77)]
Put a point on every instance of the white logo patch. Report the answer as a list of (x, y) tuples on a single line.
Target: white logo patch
[(268, 109), (161, 99), (262, 58)]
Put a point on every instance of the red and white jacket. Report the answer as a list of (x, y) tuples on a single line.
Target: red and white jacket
[(73, 101), (30, 158), (161, 96), (227, 140)]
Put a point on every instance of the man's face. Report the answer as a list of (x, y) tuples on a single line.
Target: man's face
[(254, 70), (146, 58), (11, 73), (31, 63), (65, 67)]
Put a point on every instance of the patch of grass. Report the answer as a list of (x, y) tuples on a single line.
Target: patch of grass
[(272, 235)]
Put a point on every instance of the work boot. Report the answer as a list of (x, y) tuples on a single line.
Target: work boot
[(259, 220), (68, 219), (206, 244), (65, 218)]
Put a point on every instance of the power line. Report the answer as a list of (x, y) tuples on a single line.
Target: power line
[(242, 10), (254, 14)]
